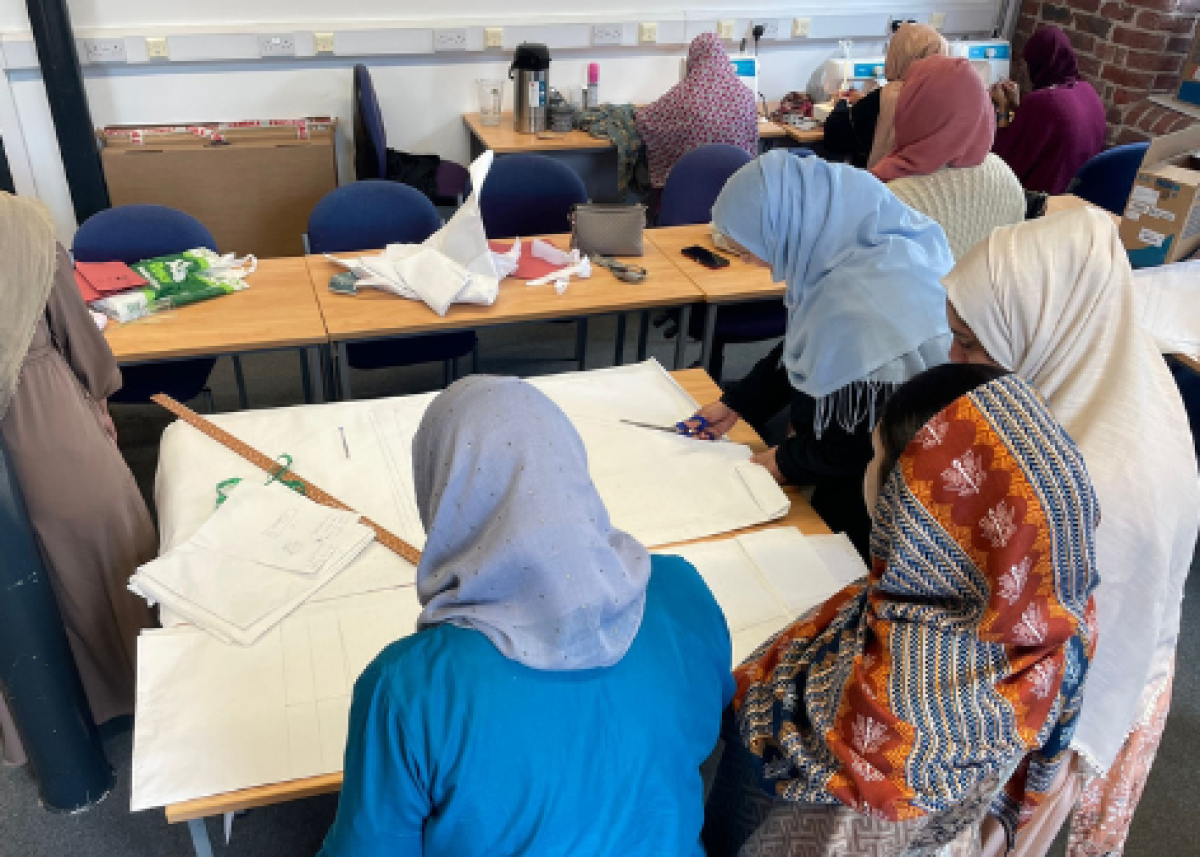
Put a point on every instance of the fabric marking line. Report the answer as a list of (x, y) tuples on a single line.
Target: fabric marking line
[(258, 459)]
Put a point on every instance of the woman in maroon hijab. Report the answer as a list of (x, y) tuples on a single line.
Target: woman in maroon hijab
[(1056, 128)]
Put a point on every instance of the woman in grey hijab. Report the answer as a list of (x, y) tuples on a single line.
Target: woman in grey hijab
[(563, 687)]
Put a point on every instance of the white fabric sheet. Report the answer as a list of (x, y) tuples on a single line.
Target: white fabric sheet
[(213, 718), (261, 555), (1167, 299)]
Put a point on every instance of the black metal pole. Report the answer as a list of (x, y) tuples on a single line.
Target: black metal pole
[(6, 180), (37, 671), (55, 41)]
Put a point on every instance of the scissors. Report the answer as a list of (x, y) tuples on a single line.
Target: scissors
[(681, 427), (623, 272)]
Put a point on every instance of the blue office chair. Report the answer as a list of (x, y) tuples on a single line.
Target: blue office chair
[(527, 195), (1107, 179), (129, 234), (370, 214), (695, 181)]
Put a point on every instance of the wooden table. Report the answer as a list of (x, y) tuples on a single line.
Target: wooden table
[(373, 314), (739, 282), (503, 139), (700, 387), (803, 137), (278, 311)]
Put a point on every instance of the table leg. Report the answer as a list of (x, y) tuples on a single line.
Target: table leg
[(200, 841), (243, 398), (581, 332), (710, 330), (685, 316), (343, 370), (314, 374), (643, 336), (619, 357)]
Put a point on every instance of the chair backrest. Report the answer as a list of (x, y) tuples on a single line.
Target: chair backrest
[(529, 195), (130, 233), (695, 181), (1107, 179), (370, 140), (369, 214)]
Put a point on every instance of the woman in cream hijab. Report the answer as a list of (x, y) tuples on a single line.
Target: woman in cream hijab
[(1052, 301), (93, 528)]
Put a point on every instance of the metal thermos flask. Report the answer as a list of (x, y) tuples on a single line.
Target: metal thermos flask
[(530, 71)]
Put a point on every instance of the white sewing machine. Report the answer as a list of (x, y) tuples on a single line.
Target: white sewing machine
[(865, 74), (992, 58)]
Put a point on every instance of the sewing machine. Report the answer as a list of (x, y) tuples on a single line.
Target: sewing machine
[(992, 58), (864, 74)]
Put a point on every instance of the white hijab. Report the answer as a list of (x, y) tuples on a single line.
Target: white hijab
[(1051, 300), (29, 252)]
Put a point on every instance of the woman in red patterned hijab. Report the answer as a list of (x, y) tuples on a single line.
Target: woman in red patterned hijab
[(901, 708), (710, 105)]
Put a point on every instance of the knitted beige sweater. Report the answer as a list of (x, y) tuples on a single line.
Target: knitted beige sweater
[(968, 202)]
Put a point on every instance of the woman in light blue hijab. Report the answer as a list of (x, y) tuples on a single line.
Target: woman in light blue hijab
[(563, 686), (866, 312)]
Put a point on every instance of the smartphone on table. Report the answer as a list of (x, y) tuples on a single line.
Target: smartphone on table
[(705, 257)]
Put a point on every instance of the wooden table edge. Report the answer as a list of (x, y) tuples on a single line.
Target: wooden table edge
[(306, 787)]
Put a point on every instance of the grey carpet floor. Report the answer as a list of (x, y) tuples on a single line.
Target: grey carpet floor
[(1166, 822)]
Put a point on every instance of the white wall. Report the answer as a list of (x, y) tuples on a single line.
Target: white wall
[(422, 97)]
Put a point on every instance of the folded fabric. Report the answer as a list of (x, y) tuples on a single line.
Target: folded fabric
[(262, 554), (1168, 303), (97, 280)]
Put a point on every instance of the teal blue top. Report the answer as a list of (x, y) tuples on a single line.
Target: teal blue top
[(456, 750)]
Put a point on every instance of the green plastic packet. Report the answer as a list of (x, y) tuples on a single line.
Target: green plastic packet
[(193, 276)]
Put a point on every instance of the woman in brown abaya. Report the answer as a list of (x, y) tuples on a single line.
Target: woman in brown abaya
[(91, 524)]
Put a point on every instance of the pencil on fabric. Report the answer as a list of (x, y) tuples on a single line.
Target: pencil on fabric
[(345, 446)]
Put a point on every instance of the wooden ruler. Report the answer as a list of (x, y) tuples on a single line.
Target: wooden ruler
[(386, 538)]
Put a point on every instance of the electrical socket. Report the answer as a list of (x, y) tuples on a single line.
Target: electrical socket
[(451, 39), (104, 50), (156, 48), (801, 27), (323, 43), (493, 37), (607, 34), (276, 44), (725, 29), (647, 33), (770, 28), (937, 20), (896, 23)]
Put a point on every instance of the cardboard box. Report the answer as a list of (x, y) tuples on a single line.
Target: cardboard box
[(1189, 86), (1162, 217), (253, 184)]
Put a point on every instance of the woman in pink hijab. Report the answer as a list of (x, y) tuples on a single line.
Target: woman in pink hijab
[(941, 164), (710, 105)]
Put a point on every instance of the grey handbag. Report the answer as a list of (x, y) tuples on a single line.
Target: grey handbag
[(608, 230)]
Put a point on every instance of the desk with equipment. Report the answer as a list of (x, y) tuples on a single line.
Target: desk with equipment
[(192, 462), (376, 315), (277, 311)]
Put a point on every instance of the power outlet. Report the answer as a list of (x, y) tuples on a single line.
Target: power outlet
[(493, 37), (801, 27), (607, 34), (647, 33), (323, 43), (277, 44), (104, 50), (896, 23), (725, 29), (156, 48), (451, 39), (770, 28), (938, 21)]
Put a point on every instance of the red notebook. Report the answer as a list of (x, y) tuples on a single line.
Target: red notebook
[(97, 280)]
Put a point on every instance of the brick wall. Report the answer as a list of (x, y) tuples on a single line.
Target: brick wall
[(1128, 50)]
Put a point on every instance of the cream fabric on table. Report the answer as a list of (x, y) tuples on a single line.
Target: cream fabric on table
[(1168, 301), (1052, 300)]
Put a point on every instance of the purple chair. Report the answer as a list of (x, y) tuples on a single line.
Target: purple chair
[(129, 234), (369, 214), (370, 145), (695, 181)]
